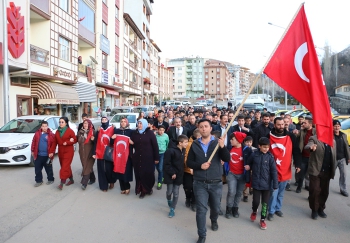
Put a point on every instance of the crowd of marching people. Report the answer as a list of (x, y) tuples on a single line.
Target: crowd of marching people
[(201, 150)]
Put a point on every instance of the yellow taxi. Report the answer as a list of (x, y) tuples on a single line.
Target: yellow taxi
[(341, 117), (345, 128), (278, 112)]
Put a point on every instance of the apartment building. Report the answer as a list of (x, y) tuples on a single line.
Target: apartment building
[(140, 11), (165, 83), (245, 80), (217, 78), (154, 71), (178, 67)]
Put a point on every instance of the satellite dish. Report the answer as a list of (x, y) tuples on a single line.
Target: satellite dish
[(93, 59)]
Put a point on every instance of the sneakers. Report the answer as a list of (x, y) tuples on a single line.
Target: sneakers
[(70, 182), (171, 213), (235, 212), (270, 216), (288, 187), (345, 194), (321, 214), (245, 199), (188, 202), (263, 225), (253, 217), (60, 186), (298, 190), (214, 225), (83, 186), (38, 184), (159, 186), (49, 182), (279, 213), (314, 215), (228, 213)]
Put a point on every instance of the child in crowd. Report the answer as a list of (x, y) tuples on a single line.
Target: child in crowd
[(188, 175), (235, 173), (174, 159), (248, 141), (163, 141), (264, 173)]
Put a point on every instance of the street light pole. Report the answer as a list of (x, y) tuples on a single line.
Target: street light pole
[(6, 87)]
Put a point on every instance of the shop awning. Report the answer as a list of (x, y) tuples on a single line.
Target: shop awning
[(86, 92), (54, 93), (111, 92)]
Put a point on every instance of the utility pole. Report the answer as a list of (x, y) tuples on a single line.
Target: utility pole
[(5, 91)]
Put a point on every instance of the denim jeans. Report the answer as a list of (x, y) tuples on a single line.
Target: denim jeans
[(174, 190), (39, 163), (276, 199), (159, 168), (236, 185), (342, 178), (204, 193)]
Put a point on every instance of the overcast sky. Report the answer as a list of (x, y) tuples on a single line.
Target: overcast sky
[(238, 31)]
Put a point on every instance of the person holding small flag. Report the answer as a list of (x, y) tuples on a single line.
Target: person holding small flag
[(86, 139)]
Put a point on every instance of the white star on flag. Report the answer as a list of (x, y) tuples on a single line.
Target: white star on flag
[(278, 161), (119, 155)]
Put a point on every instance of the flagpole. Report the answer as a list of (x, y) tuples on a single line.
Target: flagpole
[(255, 81)]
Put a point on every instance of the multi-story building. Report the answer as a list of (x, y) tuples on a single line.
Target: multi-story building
[(178, 66), (140, 11), (132, 70), (165, 83), (217, 78), (244, 80), (154, 74)]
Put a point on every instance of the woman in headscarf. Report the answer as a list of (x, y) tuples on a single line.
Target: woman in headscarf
[(85, 139), (124, 179), (145, 157), (104, 167), (65, 139)]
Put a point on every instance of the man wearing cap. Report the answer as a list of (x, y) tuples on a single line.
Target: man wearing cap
[(343, 155)]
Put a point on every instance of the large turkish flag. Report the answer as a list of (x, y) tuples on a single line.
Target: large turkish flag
[(294, 66), (121, 153), (103, 141)]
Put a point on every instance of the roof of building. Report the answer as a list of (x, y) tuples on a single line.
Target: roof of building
[(132, 24)]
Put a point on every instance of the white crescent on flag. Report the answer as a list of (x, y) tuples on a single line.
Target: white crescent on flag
[(279, 145), (298, 61), (122, 142), (104, 136)]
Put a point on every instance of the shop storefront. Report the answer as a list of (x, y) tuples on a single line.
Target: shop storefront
[(51, 98)]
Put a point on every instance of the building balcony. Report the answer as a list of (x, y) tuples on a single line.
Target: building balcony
[(41, 7), (133, 44), (189, 64), (86, 35), (39, 55), (189, 76), (132, 64)]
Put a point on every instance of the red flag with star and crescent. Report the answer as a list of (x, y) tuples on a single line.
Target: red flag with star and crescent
[(281, 149), (295, 67), (104, 137), (121, 153)]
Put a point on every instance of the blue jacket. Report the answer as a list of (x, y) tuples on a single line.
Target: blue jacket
[(264, 170)]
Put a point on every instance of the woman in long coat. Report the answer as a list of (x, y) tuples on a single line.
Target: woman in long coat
[(104, 167), (85, 139), (145, 157), (65, 139), (124, 179)]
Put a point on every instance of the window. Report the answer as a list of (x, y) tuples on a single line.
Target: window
[(20, 81), (84, 11), (179, 74), (179, 68), (51, 124), (179, 87), (116, 68), (206, 70), (179, 81), (126, 50), (116, 12), (104, 29), (218, 89), (206, 83), (125, 73), (64, 4), (199, 85), (206, 76), (218, 69), (126, 29), (104, 61), (116, 40), (195, 85), (143, 63), (206, 89), (64, 48), (144, 27), (138, 44), (218, 75)]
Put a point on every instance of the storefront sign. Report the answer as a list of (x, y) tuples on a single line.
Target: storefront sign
[(104, 44), (58, 101), (15, 28), (61, 73), (104, 77)]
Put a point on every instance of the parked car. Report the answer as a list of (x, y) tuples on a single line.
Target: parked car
[(144, 108), (249, 106), (132, 119), (16, 138), (186, 102), (199, 107), (121, 109)]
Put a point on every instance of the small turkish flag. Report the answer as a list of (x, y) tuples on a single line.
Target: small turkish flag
[(281, 149), (295, 67), (121, 153)]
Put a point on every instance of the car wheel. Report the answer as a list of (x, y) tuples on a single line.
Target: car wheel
[(31, 163)]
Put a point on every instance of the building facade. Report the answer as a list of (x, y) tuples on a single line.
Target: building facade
[(217, 78)]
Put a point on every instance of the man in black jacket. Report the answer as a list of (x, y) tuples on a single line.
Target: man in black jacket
[(191, 124), (207, 184), (177, 130), (242, 127), (160, 121), (263, 130)]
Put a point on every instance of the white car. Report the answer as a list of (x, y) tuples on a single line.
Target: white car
[(16, 138), (186, 102), (132, 119)]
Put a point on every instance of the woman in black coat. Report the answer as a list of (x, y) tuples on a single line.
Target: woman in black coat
[(145, 157), (124, 179)]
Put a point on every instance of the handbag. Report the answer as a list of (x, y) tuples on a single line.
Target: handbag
[(108, 155)]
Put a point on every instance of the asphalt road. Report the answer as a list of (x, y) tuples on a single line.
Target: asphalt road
[(45, 214)]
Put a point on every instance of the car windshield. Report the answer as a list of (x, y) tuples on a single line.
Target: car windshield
[(117, 118), (121, 110), (21, 126), (345, 124), (139, 109), (295, 113)]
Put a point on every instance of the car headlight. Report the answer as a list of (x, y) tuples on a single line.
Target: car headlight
[(19, 146)]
